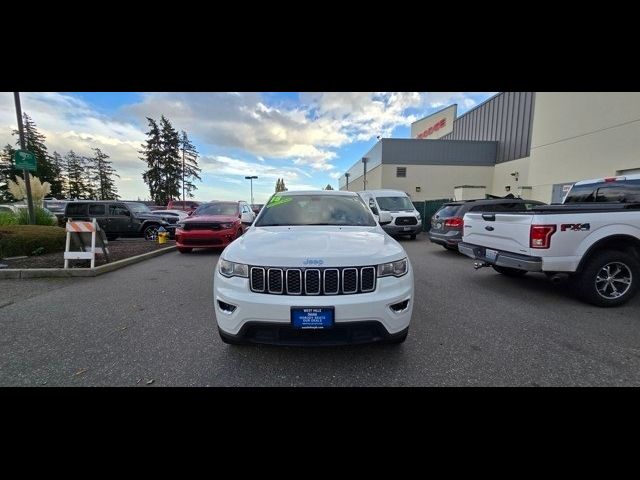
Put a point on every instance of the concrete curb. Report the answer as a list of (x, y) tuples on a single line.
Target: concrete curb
[(80, 272)]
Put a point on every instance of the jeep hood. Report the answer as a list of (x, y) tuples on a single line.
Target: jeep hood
[(333, 246)]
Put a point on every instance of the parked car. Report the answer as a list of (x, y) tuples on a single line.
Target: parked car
[(315, 268), (56, 206), (213, 225), (405, 218), (179, 214), (592, 240), (120, 219), (256, 207), (15, 208), (447, 223), (186, 206)]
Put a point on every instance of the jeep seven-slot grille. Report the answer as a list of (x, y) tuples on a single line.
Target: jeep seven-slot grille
[(312, 281)]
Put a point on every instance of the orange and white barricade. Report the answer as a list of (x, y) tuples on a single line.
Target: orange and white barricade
[(81, 229)]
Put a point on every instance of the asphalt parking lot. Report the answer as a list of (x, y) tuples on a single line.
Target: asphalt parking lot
[(152, 324)]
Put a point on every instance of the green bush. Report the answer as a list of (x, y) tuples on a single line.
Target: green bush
[(17, 240), (8, 218), (42, 217)]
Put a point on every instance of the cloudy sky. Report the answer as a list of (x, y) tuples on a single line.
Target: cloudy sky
[(309, 139)]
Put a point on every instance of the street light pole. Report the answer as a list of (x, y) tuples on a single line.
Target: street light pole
[(347, 175), (250, 178), (23, 146), (184, 204), (364, 179)]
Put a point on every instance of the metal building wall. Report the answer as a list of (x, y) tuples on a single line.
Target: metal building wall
[(403, 151), (506, 118)]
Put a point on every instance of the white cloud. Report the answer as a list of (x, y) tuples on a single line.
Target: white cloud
[(307, 134)]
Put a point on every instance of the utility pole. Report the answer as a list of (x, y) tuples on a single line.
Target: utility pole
[(23, 146)]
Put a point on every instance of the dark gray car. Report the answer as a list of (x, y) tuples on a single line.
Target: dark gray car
[(447, 224), (121, 219)]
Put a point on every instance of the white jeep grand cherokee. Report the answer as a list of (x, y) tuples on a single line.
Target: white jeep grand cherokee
[(314, 268)]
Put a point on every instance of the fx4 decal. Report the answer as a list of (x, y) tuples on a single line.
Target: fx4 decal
[(575, 227)]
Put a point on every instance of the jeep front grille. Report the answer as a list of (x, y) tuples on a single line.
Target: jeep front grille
[(312, 281)]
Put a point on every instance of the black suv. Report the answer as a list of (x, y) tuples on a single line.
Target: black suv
[(120, 219), (447, 224)]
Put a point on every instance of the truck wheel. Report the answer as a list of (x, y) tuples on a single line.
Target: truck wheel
[(608, 279), (451, 248), (151, 232), (509, 272)]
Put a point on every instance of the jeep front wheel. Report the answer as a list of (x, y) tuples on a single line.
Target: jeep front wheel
[(151, 232)]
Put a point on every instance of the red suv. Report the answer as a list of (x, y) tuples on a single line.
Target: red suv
[(213, 225), (186, 206)]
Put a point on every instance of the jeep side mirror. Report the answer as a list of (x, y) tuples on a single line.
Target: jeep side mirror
[(384, 218)]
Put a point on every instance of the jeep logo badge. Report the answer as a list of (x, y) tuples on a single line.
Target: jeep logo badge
[(313, 261)]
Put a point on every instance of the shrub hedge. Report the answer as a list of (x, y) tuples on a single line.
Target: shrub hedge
[(17, 240)]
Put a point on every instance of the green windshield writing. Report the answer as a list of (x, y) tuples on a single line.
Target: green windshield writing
[(277, 200)]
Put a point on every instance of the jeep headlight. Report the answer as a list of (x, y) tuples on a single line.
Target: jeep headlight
[(397, 268), (232, 269), (226, 226)]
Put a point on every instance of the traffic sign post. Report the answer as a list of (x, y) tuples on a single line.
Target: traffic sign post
[(25, 157)]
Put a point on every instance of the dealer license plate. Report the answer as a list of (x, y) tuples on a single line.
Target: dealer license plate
[(312, 317)]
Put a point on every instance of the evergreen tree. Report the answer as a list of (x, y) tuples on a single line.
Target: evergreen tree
[(58, 186), (34, 142), (102, 176), (191, 170), (280, 185), (75, 175), (89, 177), (6, 172), (170, 163), (152, 154), (328, 187)]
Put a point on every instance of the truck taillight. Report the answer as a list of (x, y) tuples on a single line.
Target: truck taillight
[(454, 222), (540, 236)]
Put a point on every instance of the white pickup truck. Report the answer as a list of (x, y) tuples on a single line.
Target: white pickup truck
[(592, 240)]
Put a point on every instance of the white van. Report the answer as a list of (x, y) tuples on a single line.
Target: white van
[(406, 219)]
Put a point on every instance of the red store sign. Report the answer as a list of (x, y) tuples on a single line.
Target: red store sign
[(431, 130)]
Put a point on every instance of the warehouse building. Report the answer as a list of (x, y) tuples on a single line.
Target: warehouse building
[(531, 144)]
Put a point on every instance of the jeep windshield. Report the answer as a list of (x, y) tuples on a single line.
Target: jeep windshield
[(298, 210), (394, 203), (139, 208)]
